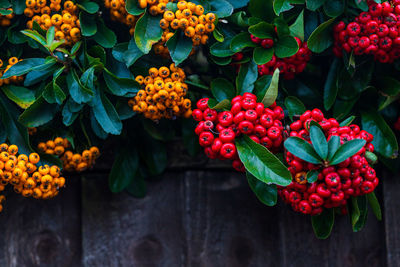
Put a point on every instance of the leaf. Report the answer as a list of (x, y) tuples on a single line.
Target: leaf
[(120, 86), (222, 89), (241, 41), (294, 106), (321, 38), (50, 35), (238, 3), (302, 149), (222, 105), (262, 55), (53, 94), (89, 7), (20, 95), (313, 5), (221, 8), (286, 46), (78, 92), (312, 176), (154, 156), (88, 24), (246, 77), (222, 49), (137, 187), (297, 28), (359, 206), (347, 121), (330, 88), (105, 114), (385, 141), (147, 32), (333, 146), (39, 113), (262, 30), (179, 47), (35, 36), (347, 150), (319, 142), (189, 137), (281, 6), (376, 207), (132, 7), (161, 131), (16, 133), (104, 36), (25, 66), (266, 193), (323, 223), (334, 8), (272, 93), (261, 86), (123, 170), (262, 9), (261, 163)]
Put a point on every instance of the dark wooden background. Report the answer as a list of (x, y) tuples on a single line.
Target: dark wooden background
[(196, 214)]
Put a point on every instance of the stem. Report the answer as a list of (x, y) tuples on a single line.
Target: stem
[(197, 85), (84, 130)]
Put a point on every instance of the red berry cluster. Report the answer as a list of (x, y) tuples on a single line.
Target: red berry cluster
[(217, 130), (376, 32), (289, 66), (335, 184)]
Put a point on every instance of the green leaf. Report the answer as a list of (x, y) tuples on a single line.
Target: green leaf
[(347, 150), (189, 137), (241, 41), (16, 133), (147, 32), (39, 113), (334, 8), (262, 55), (222, 49), (313, 5), (294, 106), (25, 66), (238, 3), (261, 86), (246, 77), (262, 30), (120, 86), (376, 207), (319, 142), (385, 141), (272, 93), (179, 47), (330, 88), (221, 8), (123, 170), (297, 28), (105, 114), (321, 38), (333, 146), (78, 92), (50, 35), (222, 89), (35, 36), (132, 7), (347, 121), (137, 187), (323, 223), (261, 163), (88, 24), (18, 6), (89, 7), (302, 149), (53, 94), (222, 105), (281, 6), (266, 193), (281, 27), (262, 9), (360, 209), (218, 35), (161, 131), (104, 36), (312, 176), (286, 46), (20, 95), (154, 155)]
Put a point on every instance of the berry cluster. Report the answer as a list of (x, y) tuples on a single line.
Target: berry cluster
[(289, 66), (375, 32), (217, 130), (5, 20), (65, 21), (72, 162), (25, 176), (32, 130), (190, 18), (163, 94), (335, 184), (14, 79)]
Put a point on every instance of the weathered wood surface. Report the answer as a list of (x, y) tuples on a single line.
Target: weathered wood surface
[(197, 214)]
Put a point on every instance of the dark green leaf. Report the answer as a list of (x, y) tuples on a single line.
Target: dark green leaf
[(179, 47), (104, 36), (123, 170), (297, 28), (137, 187), (241, 41), (189, 137), (347, 150), (120, 86), (374, 203), (334, 8), (222, 105), (89, 7), (302, 149), (88, 24), (330, 88), (347, 121), (321, 38), (147, 32), (132, 7), (25, 66), (155, 156), (222, 89), (266, 193), (262, 55), (319, 142), (39, 113), (22, 96), (314, 4), (261, 163), (294, 106), (333, 146), (222, 49), (272, 93), (312, 176), (221, 8), (78, 92), (247, 76), (262, 30), (286, 46), (323, 223), (281, 6)]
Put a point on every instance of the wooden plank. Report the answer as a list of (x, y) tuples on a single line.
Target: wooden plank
[(42, 232), (391, 189), (119, 230)]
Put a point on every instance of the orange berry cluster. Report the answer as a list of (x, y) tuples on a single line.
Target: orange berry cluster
[(64, 20), (119, 13), (5, 20), (163, 94), (14, 79), (72, 162), (190, 18), (32, 130), (25, 176)]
